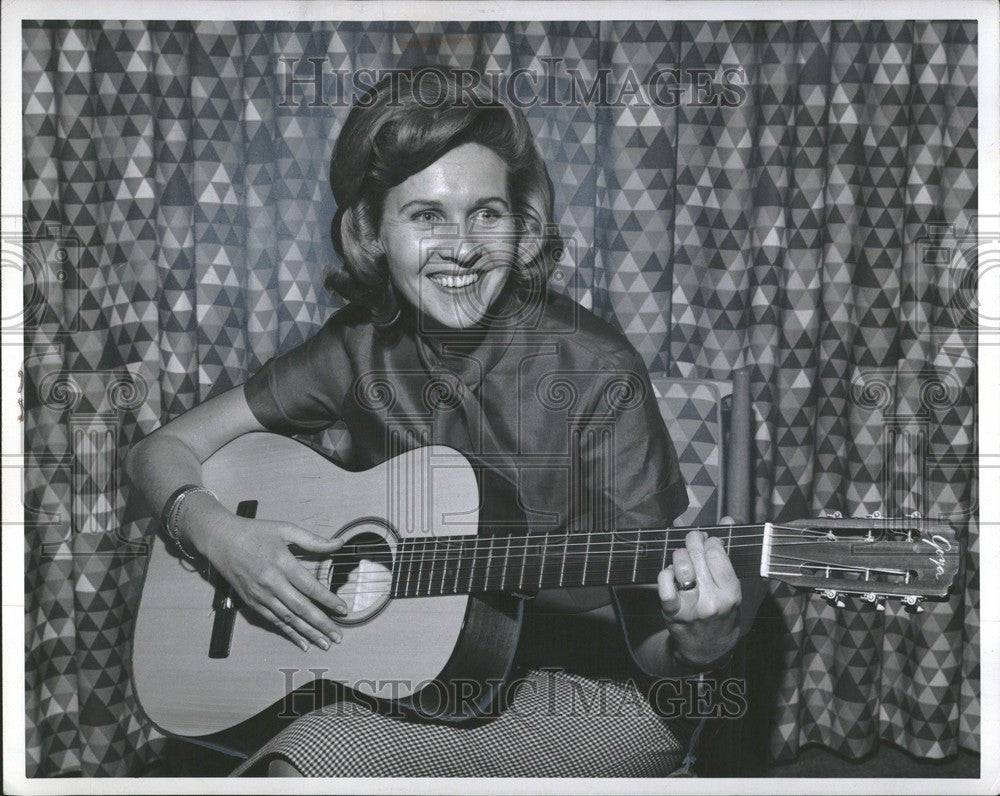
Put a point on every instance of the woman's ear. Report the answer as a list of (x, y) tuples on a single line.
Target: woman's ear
[(529, 247), (531, 233)]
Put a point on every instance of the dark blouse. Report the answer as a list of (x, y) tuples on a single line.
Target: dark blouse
[(554, 397)]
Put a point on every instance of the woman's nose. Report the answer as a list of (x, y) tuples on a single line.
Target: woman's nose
[(469, 252), (460, 246)]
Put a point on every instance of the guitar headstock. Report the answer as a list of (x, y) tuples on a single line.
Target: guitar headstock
[(875, 558)]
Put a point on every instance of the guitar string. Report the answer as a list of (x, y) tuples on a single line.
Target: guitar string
[(383, 584), (524, 541), (620, 535), (482, 555), (410, 555), (667, 531), (384, 579), (445, 555)]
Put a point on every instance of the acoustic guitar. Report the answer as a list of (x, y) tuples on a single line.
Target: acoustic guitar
[(437, 558)]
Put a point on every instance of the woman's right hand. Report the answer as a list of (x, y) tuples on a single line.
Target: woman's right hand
[(253, 557)]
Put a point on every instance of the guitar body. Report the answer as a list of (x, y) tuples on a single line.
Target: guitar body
[(391, 649)]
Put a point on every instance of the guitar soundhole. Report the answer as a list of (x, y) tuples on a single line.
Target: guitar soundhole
[(361, 575)]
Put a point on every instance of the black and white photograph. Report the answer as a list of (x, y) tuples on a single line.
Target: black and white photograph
[(525, 397)]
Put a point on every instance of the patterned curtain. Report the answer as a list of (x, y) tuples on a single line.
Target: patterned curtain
[(818, 231)]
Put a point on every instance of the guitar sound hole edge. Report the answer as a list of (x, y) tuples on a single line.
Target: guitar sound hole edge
[(385, 554)]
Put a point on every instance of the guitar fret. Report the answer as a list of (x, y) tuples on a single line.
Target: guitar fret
[(503, 571), (420, 571), (418, 563), (635, 563), (562, 567), (611, 556), (472, 563), (394, 575), (414, 561), (397, 572), (541, 569), (524, 560), (444, 566), (430, 575), (409, 570), (434, 553), (458, 566), (666, 547), (489, 563), (586, 561)]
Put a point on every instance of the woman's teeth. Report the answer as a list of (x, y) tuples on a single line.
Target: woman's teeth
[(462, 280)]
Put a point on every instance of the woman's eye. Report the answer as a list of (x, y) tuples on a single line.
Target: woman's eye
[(425, 216), (488, 216)]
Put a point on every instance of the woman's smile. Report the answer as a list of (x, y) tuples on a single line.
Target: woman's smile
[(454, 281)]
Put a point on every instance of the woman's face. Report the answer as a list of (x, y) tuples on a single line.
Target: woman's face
[(449, 236)]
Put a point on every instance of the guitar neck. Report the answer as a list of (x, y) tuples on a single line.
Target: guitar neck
[(527, 563)]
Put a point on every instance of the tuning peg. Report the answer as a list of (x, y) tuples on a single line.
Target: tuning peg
[(912, 603), (874, 599), (832, 597)]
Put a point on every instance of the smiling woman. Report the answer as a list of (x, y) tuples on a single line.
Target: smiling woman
[(444, 210)]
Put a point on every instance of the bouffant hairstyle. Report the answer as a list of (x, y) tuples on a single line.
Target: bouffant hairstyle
[(402, 125)]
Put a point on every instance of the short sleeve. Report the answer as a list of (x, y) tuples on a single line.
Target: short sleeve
[(302, 390), (629, 459)]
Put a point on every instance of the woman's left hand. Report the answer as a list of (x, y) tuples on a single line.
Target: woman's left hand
[(704, 619)]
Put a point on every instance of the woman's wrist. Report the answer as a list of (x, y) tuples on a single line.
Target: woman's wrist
[(196, 517), (690, 666)]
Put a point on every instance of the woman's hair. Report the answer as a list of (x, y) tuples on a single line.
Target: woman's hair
[(402, 125)]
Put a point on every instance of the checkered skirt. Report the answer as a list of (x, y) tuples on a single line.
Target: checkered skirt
[(557, 725)]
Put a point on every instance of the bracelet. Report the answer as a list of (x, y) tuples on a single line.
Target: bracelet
[(172, 509), (169, 505)]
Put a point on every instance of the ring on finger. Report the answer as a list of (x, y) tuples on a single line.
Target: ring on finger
[(687, 585)]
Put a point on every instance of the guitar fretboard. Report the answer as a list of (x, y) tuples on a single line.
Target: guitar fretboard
[(528, 562)]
